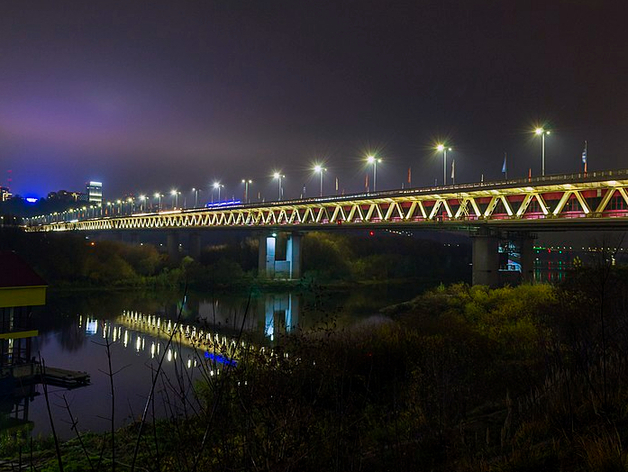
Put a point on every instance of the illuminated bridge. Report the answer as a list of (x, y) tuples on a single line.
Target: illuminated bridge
[(489, 211)]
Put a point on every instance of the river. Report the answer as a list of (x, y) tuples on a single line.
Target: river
[(75, 328)]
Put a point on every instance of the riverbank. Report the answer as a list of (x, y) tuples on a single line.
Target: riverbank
[(464, 378), (73, 261)]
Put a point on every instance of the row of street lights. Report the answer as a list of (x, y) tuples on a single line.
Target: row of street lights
[(109, 207), (441, 147), (319, 169)]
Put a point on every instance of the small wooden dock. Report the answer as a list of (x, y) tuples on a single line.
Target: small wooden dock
[(33, 373), (64, 378)]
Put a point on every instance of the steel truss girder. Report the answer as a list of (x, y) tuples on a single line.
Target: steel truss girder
[(405, 207)]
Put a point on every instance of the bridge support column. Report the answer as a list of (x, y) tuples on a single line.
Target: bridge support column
[(270, 247), (526, 250), (194, 241), (266, 259), (485, 259), (293, 255), (172, 243)]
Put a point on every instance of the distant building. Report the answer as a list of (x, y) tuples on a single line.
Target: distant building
[(65, 196), (94, 192), (5, 194)]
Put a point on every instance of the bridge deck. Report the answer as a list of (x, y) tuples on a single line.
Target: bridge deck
[(576, 201)]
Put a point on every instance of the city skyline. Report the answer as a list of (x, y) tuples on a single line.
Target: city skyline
[(180, 96)]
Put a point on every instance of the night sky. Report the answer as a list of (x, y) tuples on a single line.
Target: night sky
[(150, 96)]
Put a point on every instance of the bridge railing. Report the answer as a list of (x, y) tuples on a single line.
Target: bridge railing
[(455, 188)]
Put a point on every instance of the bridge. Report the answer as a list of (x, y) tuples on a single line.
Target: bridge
[(512, 209)]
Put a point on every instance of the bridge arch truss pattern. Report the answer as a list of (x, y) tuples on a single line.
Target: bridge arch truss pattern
[(589, 203)]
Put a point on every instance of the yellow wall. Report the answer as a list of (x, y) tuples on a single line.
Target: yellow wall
[(20, 334), (22, 296)]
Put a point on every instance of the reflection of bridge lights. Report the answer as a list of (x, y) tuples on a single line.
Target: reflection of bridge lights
[(220, 359), (91, 327), (188, 335), (138, 344), (126, 339), (169, 355)]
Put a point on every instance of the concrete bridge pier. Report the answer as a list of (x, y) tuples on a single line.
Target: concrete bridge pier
[(485, 258), (526, 250), (194, 248), (280, 255), (293, 254), (172, 244)]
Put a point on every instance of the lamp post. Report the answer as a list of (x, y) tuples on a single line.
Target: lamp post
[(279, 176), (195, 190), (442, 148), (217, 186), (175, 198), (374, 160), (321, 170), (157, 195), (542, 132), (246, 183)]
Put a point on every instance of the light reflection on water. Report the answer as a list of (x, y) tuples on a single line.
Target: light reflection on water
[(74, 331), (549, 272)]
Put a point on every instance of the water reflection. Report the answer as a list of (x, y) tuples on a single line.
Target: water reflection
[(207, 332), (281, 314)]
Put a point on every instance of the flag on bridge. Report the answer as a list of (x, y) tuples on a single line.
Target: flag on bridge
[(584, 157), (453, 171), (410, 175), (505, 166)]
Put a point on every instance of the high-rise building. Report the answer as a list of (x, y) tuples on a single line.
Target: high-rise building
[(5, 194), (94, 192)]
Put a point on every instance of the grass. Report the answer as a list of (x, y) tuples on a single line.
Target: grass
[(464, 378)]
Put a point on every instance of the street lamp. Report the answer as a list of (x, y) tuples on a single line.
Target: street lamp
[(246, 183), (175, 198), (542, 132), (374, 160), (279, 176), (442, 148), (157, 195), (196, 190), (217, 186), (321, 170)]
